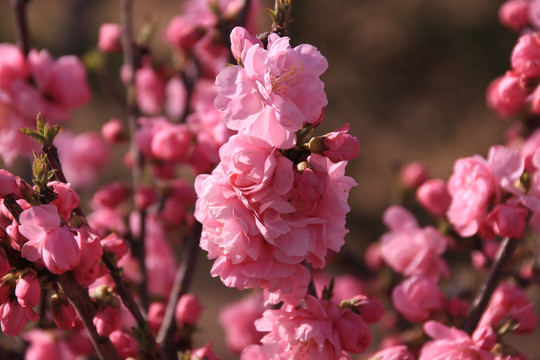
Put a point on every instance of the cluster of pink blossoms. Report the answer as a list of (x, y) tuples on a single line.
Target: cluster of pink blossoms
[(268, 207)]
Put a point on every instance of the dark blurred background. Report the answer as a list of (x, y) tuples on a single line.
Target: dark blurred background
[(409, 75)]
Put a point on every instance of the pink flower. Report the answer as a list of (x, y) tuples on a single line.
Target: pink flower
[(113, 131), (107, 320), (176, 96), (150, 90), (510, 301), (398, 352), (276, 91), (434, 196), (318, 331), (48, 241), (241, 41), (508, 220), (525, 55), (450, 344), (12, 65), (416, 297), (110, 37), (145, 196), (111, 195), (506, 94), (341, 146), (472, 186), (204, 352), (9, 184), (184, 31), (62, 311), (156, 313), (514, 14), (237, 320), (12, 318), (411, 250), (413, 174), (171, 142), (124, 344), (67, 201), (188, 310), (369, 308), (28, 290)]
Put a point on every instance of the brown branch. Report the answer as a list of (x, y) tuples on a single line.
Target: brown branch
[(505, 253), (182, 282), (78, 297), (21, 24)]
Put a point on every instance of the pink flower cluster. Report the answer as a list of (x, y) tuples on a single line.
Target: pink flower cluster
[(36, 84)]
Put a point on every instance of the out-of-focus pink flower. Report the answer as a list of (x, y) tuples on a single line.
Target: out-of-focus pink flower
[(175, 98), (434, 197), (114, 244), (107, 319), (319, 331), (110, 37), (67, 200), (124, 344), (506, 94), (156, 313), (412, 250), (450, 344), (514, 14), (510, 301), (47, 345), (4, 263), (485, 338), (369, 308), (150, 90), (472, 186), (62, 311), (508, 220), (238, 321), (341, 146), (399, 352), (183, 32), (269, 101), (113, 131), (63, 79), (416, 297), (12, 318), (534, 13), (145, 196), (204, 352), (413, 174), (457, 307), (111, 195), (171, 142), (525, 55), (12, 65), (8, 184), (49, 241), (188, 310), (28, 290)]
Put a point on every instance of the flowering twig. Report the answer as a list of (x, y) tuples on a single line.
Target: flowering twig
[(182, 282), (78, 297), (132, 62), (493, 279), (21, 24)]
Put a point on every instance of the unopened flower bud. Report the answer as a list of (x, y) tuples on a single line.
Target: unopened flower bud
[(107, 318), (514, 14), (28, 290), (156, 313), (434, 197), (113, 131), (114, 244), (414, 174), (368, 307), (340, 145), (62, 311), (124, 344), (188, 310), (110, 37)]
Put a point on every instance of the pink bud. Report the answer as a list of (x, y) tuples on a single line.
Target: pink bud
[(12, 65), (525, 55), (341, 146), (156, 313), (506, 94), (150, 90), (111, 195), (183, 32), (508, 220), (171, 142), (204, 352), (242, 40), (110, 37), (107, 320), (12, 318), (369, 308), (514, 14), (145, 196), (188, 310), (373, 257), (67, 201), (526, 319), (176, 95), (434, 197), (8, 183), (353, 332), (414, 174), (485, 338), (62, 311), (416, 297), (114, 244), (113, 131), (28, 290), (124, 344)]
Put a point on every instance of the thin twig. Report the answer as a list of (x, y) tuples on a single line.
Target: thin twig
[(21, 24), (182, 282), (505, 253), (78, 297), (132, 61)]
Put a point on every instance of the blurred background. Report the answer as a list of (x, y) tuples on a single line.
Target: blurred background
[(408, 75)]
